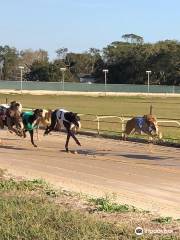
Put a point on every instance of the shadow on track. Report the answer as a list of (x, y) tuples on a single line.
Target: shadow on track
[(115, 154), (142, 156), (11, 147)]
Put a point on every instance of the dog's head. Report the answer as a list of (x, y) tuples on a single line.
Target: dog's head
[(16, 106), (38, 113), (152, 124)]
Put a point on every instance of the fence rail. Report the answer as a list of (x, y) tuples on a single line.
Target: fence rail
[(121, 120), (85, 87), (98, 120)]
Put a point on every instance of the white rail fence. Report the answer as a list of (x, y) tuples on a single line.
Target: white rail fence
[(123, 119)]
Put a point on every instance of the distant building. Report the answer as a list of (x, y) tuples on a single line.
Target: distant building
[(87, 78)]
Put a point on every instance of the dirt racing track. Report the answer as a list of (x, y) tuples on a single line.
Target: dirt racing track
[(146, 176)]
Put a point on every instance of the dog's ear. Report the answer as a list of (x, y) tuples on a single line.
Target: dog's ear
[(12, 103), (151, 118), (17, 104), (38, 111), (146, 117)]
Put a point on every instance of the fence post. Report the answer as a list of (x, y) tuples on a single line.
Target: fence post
[(173, 89), (6, 100), (98, 125), (151, 109), (122, 127)]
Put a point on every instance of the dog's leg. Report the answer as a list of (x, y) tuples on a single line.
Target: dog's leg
[(130, 128), (71, 134), (37, 132), (1, 124), (67, 141), (53, 124), (48, 130), (126, 133), (31, 132), (75, 138), (124, 136), (24, 133)]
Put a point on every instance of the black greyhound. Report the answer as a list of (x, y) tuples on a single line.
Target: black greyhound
[(30, 122), (10, 116), (69, 120)]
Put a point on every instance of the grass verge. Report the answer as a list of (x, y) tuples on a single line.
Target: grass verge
[(33, 210), (28, 212)]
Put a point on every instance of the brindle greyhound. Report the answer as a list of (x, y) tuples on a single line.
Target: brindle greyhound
[(146, 124), (69, 120), (10, 116)]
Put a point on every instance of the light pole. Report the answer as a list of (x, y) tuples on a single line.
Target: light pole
[(63, 72), (148, 73), (21, 68), (1, 67), (105, 71), (0, 72)]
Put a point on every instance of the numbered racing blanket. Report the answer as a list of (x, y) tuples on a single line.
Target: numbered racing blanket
[(60, 117), (140, 122), (28, 125)]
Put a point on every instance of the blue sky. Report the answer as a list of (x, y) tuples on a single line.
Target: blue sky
[(81, 24)]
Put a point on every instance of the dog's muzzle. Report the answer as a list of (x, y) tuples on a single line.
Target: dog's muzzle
[(75, 128), (154, 131)]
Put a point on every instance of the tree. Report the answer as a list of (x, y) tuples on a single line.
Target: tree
[(95, 56), (11, 61), (127, 62), (28, 56), (39, 71), (61, 53), (133, 38)]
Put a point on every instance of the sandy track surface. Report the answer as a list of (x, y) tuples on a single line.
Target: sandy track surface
[(146, 176), (93, 94)]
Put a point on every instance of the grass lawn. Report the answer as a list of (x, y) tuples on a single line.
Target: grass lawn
[(28, 214), (163, 107), (31, 209)]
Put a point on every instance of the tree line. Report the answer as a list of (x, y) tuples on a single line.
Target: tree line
[(127, 62)]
